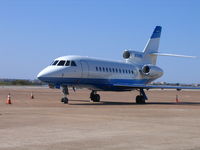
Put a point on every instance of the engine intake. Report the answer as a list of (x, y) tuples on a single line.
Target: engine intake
[(126, 54), (145, 69), (152, 71), (133, 56)]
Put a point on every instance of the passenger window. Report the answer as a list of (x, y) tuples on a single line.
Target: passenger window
[(67, 63), (55, 62), (110, 70), (123, 70), (73, 63), (100, 68), (61, 63), (113, 70), (129, 71), (119, 70), (116, 70), (106, 69), (96, 68), (103, 69)]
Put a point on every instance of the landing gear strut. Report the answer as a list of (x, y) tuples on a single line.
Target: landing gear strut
[(94, 96), (65, 92), (141, 99)]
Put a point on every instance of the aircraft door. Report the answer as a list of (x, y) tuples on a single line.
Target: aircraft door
[(85, 69)]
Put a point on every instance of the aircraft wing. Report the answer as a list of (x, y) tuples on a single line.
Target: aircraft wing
[(147, 86)]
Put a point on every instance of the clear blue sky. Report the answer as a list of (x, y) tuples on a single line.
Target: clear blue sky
[(34, 32)]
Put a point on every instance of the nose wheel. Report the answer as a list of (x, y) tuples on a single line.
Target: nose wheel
[(94, 96), (65, 92), (64, 100)]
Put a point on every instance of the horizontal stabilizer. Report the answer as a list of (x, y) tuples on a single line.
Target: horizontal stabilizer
[(174, 55)]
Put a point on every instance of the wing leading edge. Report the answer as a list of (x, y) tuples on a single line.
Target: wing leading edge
[(143, 86)]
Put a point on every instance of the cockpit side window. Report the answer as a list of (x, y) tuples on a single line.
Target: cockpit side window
[(61, 63), (67, 63), (55, 62), (73, 63)]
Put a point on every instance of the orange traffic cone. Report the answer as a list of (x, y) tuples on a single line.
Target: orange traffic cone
[(8, 101), (32, 96), (177, 99)]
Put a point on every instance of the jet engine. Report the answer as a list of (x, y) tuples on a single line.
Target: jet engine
[(151, 71), (133, 56)]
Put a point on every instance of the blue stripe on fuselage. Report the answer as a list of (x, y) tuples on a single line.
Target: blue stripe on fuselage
[(104, 84)]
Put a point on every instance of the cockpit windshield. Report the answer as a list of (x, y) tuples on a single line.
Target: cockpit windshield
[(61, 63), (55, 62), (64, 63), (67, 63)]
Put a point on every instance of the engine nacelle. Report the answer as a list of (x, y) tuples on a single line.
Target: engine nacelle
[(151, 71), (133, 56)]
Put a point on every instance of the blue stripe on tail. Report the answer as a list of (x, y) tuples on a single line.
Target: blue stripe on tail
[(156, 32)]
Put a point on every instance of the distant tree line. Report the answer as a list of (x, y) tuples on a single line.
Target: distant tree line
[(20, 82)]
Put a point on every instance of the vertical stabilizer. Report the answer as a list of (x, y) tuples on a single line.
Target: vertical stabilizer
[(152, 46)]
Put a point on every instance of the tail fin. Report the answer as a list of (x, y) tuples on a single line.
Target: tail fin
[(150, 52), (152, 46)]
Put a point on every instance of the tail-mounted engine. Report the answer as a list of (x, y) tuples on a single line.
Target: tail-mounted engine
[(151, 71), (133, 56), (147, 70)]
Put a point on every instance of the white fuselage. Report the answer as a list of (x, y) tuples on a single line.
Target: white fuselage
[(95, 74)]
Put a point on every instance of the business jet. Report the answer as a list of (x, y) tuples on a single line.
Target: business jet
[(134, 73)]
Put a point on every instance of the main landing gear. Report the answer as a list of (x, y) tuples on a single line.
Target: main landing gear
[(65, 92), (141, 99), (94, 96)]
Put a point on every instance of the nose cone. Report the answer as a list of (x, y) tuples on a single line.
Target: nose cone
[(49, 72), (42, 75), (45, 73)]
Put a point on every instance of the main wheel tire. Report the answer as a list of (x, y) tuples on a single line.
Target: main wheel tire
[(95, 98), (137, 99), (62, 100), (92, 97), (143, 100), (140, 99)]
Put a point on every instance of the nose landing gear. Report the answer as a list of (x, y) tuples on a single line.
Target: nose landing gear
[(65, 92)]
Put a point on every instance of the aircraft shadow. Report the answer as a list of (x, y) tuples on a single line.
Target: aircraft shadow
[(87, 102)]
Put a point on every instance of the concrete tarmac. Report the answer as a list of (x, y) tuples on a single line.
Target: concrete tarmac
[(116, 123)]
